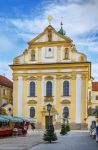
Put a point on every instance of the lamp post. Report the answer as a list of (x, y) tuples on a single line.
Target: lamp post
[(64, 118), (49, 107)]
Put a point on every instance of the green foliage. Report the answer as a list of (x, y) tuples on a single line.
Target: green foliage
[(49, 134), (2, 111), (63, 129), (67, 128)]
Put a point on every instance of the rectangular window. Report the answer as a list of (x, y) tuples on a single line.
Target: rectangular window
[(4, 92), (89, 95), (96, 97)]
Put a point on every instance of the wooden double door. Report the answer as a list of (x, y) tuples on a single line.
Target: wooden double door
[(47, 121)]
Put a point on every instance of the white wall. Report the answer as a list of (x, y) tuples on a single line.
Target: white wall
[(20, 94), (78, 98)]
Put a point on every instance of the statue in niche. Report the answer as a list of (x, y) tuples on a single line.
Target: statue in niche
[(66, 54), (33, 56), (49, 35)]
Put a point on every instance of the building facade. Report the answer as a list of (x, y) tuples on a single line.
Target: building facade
[(6, 94), (93, 102), (51, 71)]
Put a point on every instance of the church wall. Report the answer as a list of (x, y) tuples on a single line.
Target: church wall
[(78, 98)]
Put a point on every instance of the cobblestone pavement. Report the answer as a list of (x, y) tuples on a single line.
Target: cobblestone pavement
[(73, 141), (21, 143)]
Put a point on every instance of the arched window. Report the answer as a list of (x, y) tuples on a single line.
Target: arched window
[(32, 112), (96, 97), (49, 88), (32, 88), (66, 88), (65, 112)]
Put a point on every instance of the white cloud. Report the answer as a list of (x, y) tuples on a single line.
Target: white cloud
[(5, 69), (6, 43), (95, 71), (78, 19)]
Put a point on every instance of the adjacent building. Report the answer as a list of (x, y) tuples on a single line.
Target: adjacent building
[(93, 101), (6, 94), (51, 70)]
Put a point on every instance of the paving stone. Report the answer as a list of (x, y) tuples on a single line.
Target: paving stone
[(73, 141)]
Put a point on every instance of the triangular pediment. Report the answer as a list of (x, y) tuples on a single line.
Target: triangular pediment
[(50, 35)]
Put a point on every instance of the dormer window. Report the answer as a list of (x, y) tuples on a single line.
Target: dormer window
[(33, 56), (66, 53)]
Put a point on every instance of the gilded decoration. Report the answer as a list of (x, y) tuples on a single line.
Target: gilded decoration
[(66, 77), (15, 77), (24, 78), (32, 102), (44, 110), (73, 76), (58, 77), (48, 99), (49, 78), (65, 101), (39, 78), (32, 78)]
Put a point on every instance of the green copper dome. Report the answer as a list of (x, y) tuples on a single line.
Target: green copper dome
[(61, 31)]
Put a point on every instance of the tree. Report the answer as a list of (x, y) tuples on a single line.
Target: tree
[(49, 134), (63, 129), (67, 127), (2, 111)]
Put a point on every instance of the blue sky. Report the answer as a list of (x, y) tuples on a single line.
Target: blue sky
[(22, 20)]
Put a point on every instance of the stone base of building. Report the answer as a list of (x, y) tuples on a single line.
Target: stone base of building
[(73, 126), (79, 126)]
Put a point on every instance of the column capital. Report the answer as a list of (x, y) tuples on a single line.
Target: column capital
[(39, 78), (15, 77), (73, 76), (58, 77), (84, 76), (24, 78)]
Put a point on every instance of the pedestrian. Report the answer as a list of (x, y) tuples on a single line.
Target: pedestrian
[(97, 131)]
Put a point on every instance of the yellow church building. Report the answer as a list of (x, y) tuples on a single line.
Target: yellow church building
[(51, 71)]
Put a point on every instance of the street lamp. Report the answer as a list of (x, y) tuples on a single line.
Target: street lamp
[(49, 107)]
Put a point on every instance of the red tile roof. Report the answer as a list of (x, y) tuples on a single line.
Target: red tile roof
[(94, 86), (4, 81)]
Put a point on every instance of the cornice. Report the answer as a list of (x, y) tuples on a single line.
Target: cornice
[(52, 43)]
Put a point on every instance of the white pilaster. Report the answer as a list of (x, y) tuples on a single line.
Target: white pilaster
[(43, 90), (54, 90), (20, 87), (78, 98)]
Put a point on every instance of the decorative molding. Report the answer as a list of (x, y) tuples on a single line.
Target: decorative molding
[(58, 77), (32, 102), (84, 76), (49, 78), (24, 78), (65, 101), (39, 78), (15, 77), (73, 76), (66, 77), (32, 78), (48, 99)]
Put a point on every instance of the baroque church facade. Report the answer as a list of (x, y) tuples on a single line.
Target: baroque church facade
[(51, 71)]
